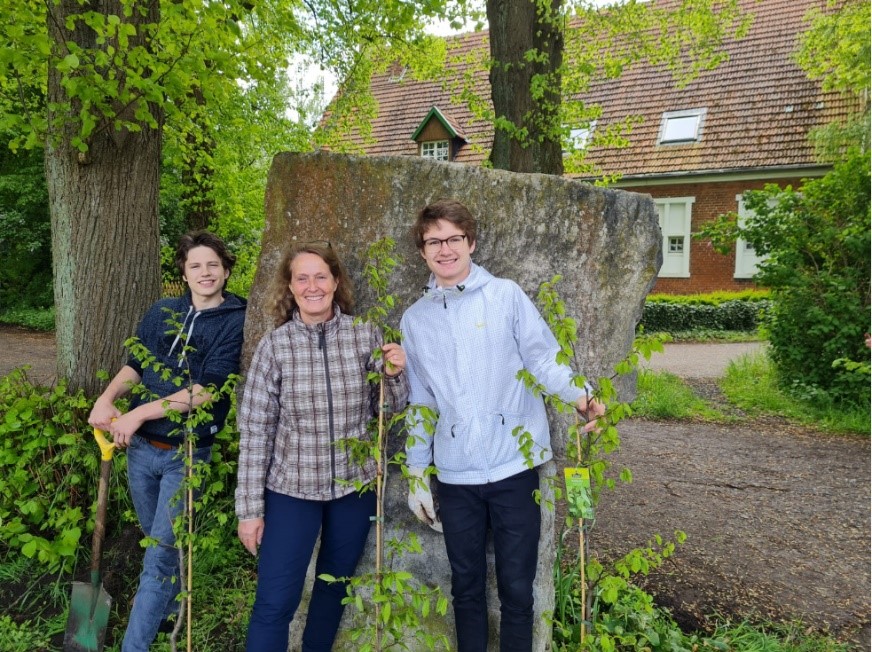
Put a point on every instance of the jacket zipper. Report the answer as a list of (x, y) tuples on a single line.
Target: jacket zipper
[(322, 345)]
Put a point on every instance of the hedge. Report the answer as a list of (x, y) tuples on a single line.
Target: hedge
[(703, 313)]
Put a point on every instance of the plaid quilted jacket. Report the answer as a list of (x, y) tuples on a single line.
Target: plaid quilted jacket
[(306, 392)]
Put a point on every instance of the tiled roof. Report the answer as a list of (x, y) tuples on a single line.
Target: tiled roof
[(759, 105), (404, 102), (453, 126)]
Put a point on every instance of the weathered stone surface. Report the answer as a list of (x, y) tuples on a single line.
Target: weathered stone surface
[(604, 243)]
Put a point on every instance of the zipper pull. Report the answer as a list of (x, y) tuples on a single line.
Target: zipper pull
[(322, 341), (444, 302)]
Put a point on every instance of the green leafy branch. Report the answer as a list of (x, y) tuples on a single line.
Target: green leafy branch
[(400, 602)]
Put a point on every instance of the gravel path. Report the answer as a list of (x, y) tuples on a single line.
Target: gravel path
[(700, 360), (22, 347)]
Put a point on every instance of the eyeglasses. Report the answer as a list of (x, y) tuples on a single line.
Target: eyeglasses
[(434, 245)]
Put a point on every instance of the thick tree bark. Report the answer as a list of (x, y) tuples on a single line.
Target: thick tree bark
[(517, 27), (104, 219)]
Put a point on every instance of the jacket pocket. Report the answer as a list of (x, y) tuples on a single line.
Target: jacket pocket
[(513, 441)]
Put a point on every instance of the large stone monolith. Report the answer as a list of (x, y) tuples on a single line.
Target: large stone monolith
[(604, 243)]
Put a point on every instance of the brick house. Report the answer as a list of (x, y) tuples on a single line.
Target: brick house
[(695, 149)]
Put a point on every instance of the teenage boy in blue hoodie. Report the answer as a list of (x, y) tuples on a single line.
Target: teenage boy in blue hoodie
[(465, 341), (199, 337)]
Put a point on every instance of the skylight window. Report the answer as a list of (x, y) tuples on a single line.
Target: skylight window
[(681, 126), (580, 138)]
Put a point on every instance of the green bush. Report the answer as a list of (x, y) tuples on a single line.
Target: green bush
[(38, 319), (712, 312), (815, 246), (48, 471), (710, 298), (25, 232)]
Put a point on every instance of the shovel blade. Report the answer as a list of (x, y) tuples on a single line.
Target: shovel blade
[(89, 615)]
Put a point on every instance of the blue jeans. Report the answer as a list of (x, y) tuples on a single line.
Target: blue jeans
[(514, 518), (155, 477), (291, 526)]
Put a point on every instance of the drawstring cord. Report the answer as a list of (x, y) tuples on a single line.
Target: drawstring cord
[(188, 336)]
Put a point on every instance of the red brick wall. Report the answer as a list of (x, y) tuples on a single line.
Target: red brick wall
[(709, 270)]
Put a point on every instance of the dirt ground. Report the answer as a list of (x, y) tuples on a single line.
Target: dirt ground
[(777, 517), (22, 347)]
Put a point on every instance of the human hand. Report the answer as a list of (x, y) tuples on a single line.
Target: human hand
[(591, 409), (395, 359), (102, 414), (421, 499), (250, 532), (124, 427)]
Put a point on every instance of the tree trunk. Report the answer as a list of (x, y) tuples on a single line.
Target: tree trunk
[(516, 28), (104, 222)]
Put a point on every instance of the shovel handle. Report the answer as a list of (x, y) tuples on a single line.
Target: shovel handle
[(106, 449), (106, 446)]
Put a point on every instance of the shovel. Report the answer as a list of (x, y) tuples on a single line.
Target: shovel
[(90, 603)]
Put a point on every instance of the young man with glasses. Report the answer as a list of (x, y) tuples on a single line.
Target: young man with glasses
[(466, 339)]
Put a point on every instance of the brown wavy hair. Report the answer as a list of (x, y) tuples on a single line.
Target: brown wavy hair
[(203, 239), (283, 303)]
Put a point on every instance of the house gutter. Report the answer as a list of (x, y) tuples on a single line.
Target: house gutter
[(717, 176)]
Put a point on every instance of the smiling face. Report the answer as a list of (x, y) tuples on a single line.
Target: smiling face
[(313, 287), (450, 264), (205, 274)]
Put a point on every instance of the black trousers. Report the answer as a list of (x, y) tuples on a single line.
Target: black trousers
[(511, 512)]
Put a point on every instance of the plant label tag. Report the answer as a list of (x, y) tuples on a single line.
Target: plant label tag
[(578, 492)]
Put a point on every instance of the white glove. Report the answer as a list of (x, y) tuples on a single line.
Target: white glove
[(421, 500)]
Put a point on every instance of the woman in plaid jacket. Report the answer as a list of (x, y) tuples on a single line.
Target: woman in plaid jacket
[(305, 396)]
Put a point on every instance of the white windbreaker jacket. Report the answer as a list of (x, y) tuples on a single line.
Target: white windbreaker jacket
[(465, 345)]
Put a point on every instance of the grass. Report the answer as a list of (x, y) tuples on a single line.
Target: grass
[(750, 383), (771, 637), (662, 395)]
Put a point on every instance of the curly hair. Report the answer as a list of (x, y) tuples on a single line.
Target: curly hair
[(283, 302), (203, 239)]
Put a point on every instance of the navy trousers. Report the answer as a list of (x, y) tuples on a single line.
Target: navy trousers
[(514, 518), (290, 531)]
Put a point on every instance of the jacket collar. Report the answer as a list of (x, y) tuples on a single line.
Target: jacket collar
[(478, 276), (329, 326)]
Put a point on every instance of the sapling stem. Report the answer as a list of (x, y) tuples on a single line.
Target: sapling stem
[(379, 507)]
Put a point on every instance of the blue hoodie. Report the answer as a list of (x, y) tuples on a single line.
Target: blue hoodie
[(210, 348)]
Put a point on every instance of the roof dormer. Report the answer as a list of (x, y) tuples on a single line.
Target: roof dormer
[(439, 136)]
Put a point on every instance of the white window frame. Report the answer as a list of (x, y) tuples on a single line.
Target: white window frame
[(675, 264), (671, 131), (747, 260), (438, 150)]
